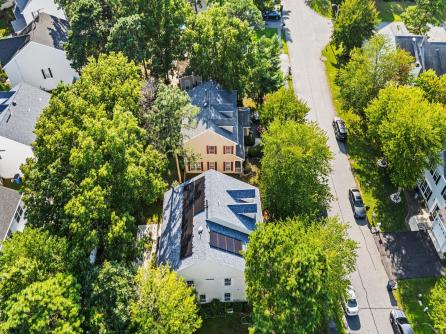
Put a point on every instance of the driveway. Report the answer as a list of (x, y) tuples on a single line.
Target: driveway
[(409, 255), (307, 34)]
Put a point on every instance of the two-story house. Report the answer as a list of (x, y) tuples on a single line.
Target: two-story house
[(12, 213), (206, 223), (216, 140), (36, 55), (433, 190), (25, 11)]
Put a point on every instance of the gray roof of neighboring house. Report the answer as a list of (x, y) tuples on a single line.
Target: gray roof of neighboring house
[(45, 29), (9, 200), (21, 4), (218, 109), (226, 198), (19, 113)]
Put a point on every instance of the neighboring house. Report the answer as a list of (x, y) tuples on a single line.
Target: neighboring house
[(12, 213), (429, 51), (206, 223), (19, 111), (36, 56), (433, 190), (26, 11), (217, 137)]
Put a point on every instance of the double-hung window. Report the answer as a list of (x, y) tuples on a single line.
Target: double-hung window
[(426, 189), (211, 149), (18, 214), (202, 298), (47, 73), (227, 297), (228, 149), (443, 193), (228, 281), (195, 167), (435, 175), (212, 165), (228, 166)]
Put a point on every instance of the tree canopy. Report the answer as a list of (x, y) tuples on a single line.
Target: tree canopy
[(296, 274), (417, 18), (3, 78), (93, 174), (354, 24), (164, 303), (409, 131), (283, 105), (294, 170), (437, 305), (369, 70), (433, 86)]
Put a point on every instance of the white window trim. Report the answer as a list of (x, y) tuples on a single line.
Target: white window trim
[(230, 297), (230, 282), (224, 166)]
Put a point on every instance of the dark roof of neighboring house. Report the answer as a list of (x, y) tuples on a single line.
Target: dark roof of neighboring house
[(218, 112), (19, 113), (45, 29), (9, 200), (222, 205)]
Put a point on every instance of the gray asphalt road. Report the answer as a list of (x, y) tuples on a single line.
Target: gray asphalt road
[(308, 33)]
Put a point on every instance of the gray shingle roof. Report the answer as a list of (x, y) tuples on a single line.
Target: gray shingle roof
[(9, 200), (45, 29), (233, 208), (218, 109), (22, 109)]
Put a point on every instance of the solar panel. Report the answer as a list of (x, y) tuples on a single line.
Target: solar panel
[(225, 243), (199, 195)]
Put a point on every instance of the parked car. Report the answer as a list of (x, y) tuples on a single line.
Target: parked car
[(356, 202), (339, 129), (271, 15), (351, 304), (400, 323)]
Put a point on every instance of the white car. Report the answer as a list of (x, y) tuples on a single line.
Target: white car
[(351, 304)]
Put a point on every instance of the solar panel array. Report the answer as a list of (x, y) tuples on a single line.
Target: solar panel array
[(225, 243), (193, 203)]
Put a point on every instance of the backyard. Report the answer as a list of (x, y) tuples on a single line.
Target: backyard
[(407, 297), (227, 324), (374, 182)]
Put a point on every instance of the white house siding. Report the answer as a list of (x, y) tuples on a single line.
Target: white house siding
[(13, 155), (46, 6), (209, 280), (27, 67), (18, 222), (436, 198)]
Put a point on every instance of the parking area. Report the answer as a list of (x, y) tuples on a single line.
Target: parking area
[(408, 255)]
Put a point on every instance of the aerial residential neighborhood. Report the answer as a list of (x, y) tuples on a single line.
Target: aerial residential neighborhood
[(223, 167)]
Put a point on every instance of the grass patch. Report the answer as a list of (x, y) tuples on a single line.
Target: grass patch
[(8, 183), (268, 32), (6, 16), (284, 44), (228, 324), (374, 183), (407, 297), (322, 7), (390, 11)]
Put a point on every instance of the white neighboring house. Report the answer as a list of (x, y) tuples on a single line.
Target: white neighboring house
[(433, 190), (206, 223), (12, 213), (25, 11), (19, 110), (37, 56)]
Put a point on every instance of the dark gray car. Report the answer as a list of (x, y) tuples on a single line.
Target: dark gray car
[(400, 323), (356, 202)]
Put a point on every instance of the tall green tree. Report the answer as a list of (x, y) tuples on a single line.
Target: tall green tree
[(93, 174), (409, 131), (112, 291), (263, 5), (296, 274), (50, 306), (164, 303), (433, 86), (354, 24), (283, 105), (417, 18), (3, 78), (437, 300), (296, 157), (265, 74), (165, 117), (369, 70), (245, 10)]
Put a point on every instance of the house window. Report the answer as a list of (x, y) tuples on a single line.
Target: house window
[(18, 214), (228, 149), (47, 73), (212, 165), (435, 175), (227, 281), (238, 166), (443, 193), (435, 211), (426, 190), (227, 297), (195, 166), (228, 166), (211, 149), (190, 283), (202, 298)]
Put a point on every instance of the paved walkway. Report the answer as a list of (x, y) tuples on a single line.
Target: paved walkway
[(307, 34)]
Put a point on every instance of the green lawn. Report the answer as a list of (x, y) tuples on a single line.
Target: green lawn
[(284, 44), (390, 11), (407, 298), (322, 7), (374, 183), (268, 32), (228, 324)]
